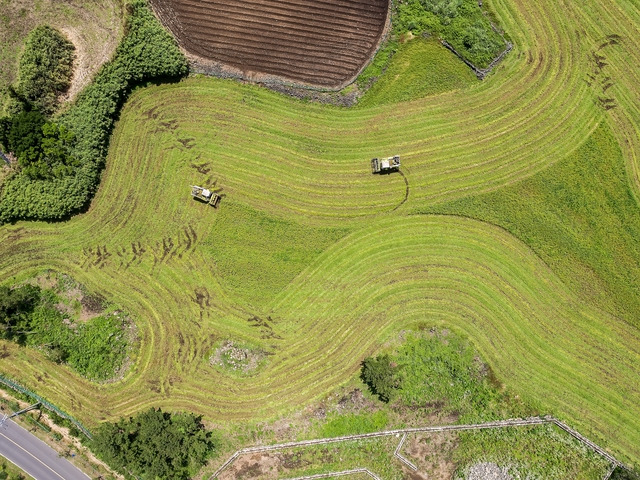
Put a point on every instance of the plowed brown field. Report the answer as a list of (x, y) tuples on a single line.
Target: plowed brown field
[(321, 42)]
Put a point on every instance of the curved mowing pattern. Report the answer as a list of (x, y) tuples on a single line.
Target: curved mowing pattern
[(322, 42), (144, 244)]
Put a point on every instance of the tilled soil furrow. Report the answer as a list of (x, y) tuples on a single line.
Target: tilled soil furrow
[(323, 42), (242, 51), (354, 35), (320, 44)]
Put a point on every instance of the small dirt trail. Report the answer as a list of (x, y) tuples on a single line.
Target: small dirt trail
[(406, 193)]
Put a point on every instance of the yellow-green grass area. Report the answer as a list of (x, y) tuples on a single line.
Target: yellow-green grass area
[(12, 471), (580, 217), (422, 67), (300, 170)]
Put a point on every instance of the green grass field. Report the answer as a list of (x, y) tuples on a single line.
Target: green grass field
[(334, 261)]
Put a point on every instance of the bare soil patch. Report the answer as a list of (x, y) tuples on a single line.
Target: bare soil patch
[(487, 471), (76, 301), (316, 42), (432, 454)]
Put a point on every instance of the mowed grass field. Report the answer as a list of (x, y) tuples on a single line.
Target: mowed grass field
[(334, 261)]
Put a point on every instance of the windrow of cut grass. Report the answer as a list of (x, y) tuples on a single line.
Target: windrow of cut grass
[(177, 266), (580, 217), (571, 360)]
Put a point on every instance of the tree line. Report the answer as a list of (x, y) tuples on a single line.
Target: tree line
[(60, 156)]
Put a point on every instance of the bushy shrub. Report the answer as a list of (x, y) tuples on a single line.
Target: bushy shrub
[(95, 349), (460, 22), (380, 376), (46, 68), (155, 445), (146, 52), (42, 148), (16, 306)]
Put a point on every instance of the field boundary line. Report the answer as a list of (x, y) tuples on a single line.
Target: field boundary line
[(399, 456), (512, 422), (48, 405), (342, 473), (584, 440), (481, 73), (607, 475)]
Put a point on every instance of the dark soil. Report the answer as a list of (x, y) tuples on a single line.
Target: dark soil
[(315, 42)]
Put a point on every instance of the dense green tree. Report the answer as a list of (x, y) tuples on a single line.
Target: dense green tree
[(42, 147), (16, 305), (52, 158), (622, 474), (155, 445), (46, 67), (22, 133), (381, 377)]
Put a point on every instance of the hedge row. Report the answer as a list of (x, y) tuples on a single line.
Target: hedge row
[(146, 52)]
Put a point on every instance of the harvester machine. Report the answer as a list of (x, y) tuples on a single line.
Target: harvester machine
[(205, 195), (385, 165)]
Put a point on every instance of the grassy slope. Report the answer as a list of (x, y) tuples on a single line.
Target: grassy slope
[(145, 245), (580, 216), (424, 67)]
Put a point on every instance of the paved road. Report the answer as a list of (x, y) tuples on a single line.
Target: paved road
[(34, 456)]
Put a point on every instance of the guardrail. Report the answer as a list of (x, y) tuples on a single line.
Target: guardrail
[(48, 405)]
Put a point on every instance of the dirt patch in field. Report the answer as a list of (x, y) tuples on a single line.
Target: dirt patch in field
[(432, 454), (237, 357), (272, 465), (76, 301), (315, 42)]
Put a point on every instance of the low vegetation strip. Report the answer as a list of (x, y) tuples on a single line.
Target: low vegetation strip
[(405, 431), (342, 473), (48, 405)]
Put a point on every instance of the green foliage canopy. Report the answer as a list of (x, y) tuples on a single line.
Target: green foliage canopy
[(462, 23), (155, 445), (16, 306), (46, 67), (381, 376), (42, 148)]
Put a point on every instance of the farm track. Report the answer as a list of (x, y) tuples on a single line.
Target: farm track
[(308, 163), (319, 42)]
